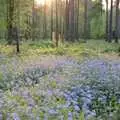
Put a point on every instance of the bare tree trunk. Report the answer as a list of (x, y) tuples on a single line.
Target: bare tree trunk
[(117, 21), (33, 20), (60, 18), (10, 18), (57, 35), (85, 19), (77, 21), (18, 28), (45, 22), (107, 32), (51, 19), (101, 6), (71, 21), (110, 23), (66, 19)]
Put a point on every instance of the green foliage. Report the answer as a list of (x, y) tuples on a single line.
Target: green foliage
[(104, 110), (53, 84), (77, 49), (81, 116), (98, 27), (40, 44)]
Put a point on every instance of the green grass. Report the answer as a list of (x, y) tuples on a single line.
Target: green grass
[(77, 49)]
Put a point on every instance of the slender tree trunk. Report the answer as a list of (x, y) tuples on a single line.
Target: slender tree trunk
[(61, 26), (60, 14), (18, 40), (66, 20), (101, 6), (45, 22), (51, 19), (10, 20), (117, 21), (57, 35), (33, 20), (18, 28), (107, 32), (110, 23), (71, 21), (85, 18), (77, 21)]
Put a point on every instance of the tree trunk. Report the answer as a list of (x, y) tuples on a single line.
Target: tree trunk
[(85, 18), (110, 23), (57, 34), (66, 19), (51, 19), (10, 19), (77, 21), (18, 28), (33, 20), (107, 20), (117, 21), (45, 22), (71, 21)]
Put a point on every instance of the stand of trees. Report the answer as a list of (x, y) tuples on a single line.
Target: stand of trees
[(110, 32), (68, 20)]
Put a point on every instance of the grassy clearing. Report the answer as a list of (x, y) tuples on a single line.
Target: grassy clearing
[(78, 49)]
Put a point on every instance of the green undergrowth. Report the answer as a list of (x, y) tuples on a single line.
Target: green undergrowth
[(77, 49)]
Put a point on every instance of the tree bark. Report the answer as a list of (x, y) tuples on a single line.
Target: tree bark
[(10, 20), (33, 20), (117, 21), (106, 21), (110, 23), (71, 20), (51, 19), (77, 21), (45, 22), (57, 34), (66, 19), (85, 18)]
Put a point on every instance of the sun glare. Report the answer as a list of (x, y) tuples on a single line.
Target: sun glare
[(40, 2)]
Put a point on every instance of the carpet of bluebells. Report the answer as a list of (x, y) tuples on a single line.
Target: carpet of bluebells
[(59, 88)]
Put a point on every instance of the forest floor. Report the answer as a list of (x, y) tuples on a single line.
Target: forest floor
[(79, 81)]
